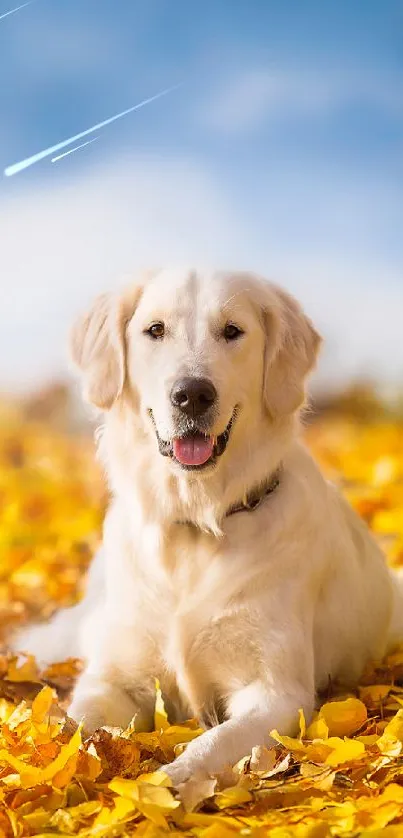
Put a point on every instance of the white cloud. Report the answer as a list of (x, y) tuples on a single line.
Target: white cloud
[(62, 244), (249, 98)]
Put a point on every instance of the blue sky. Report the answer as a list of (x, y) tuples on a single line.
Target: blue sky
[(282, 151)]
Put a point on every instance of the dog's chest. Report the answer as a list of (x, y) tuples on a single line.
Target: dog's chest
[(193, 608)]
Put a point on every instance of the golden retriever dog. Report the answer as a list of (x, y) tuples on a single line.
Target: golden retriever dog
[(231, 570)]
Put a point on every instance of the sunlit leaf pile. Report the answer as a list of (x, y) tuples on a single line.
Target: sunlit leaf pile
[(343, 774)]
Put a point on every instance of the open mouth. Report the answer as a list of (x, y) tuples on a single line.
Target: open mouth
[(195, 450)]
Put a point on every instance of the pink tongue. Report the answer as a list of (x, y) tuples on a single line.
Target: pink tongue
[(193, 450)]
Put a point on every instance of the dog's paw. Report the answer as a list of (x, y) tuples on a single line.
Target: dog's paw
[(109, 706), (89, 713), (179, 771), (183, 770), (192, 788)]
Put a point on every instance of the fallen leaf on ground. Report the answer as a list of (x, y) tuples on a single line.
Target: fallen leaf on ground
[(341, 776)]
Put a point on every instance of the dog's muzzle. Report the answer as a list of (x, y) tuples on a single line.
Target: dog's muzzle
[(194, 449)]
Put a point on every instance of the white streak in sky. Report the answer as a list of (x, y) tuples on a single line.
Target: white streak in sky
[(17, 9), (72, 150), (15, 168)]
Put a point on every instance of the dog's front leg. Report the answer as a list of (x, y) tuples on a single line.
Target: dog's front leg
[(100, 700), (256, 710), (118, 682)]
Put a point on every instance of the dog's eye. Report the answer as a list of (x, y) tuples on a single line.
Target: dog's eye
[(232, 332), (156, 331)]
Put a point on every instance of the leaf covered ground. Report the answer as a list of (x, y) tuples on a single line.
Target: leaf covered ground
[(343, 775)]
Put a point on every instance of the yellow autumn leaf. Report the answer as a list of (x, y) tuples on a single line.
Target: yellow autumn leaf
[(302, 724), (19, 716), (31, 776), (344, 717), (262, 760), (6, 710), (160, 715), (234, 796), (314, 830), (65, 774), (155, 778), (89, 764), (369, 740), (395, 726), (37, 821), (319, 776), (343, 750), (318, 750), (122, 811), (41, 706), (179, 734), (70, 819), (218, 830), (153, 799), (318, 729), (389, 746), (42, 728), (200, 820), (22, 668), (288, 742), (374, 693)]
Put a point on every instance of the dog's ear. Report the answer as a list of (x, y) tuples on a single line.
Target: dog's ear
[(292, 348), (97, 347)]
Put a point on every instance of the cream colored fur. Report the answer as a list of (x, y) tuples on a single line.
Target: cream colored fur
[(246, 616)]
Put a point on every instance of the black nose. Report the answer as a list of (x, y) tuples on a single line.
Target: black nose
[(193, 396)]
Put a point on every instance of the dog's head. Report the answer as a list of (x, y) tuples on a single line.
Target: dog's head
[(201, 358)]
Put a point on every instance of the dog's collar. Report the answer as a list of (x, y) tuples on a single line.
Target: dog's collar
[(251, 501), (254, 498)]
